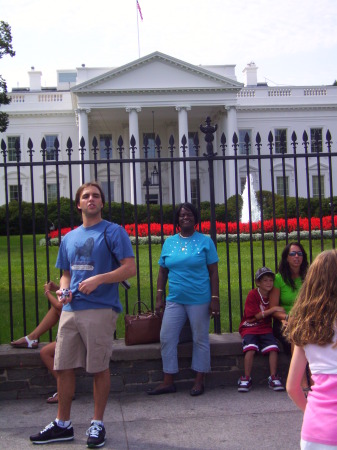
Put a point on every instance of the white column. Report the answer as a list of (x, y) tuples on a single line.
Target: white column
[(170, 131), (126, 169), (231, 127), (183, 130), (134, 131), (217, 166), (83, 131)]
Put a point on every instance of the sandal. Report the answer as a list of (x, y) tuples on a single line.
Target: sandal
[(25, 342), (53, 398)]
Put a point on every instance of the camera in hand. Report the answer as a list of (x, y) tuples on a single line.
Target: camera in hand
[(65, 293)]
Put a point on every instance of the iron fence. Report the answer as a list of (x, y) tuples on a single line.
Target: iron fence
[(24, 264)]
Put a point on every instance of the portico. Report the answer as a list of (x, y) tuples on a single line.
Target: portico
[(156, 95)]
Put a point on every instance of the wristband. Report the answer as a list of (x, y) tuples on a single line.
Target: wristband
[(262, 314), (159, 290), (45, 292), (215, 296)]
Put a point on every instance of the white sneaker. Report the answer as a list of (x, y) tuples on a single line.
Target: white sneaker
[(245, 384), (275, 383)]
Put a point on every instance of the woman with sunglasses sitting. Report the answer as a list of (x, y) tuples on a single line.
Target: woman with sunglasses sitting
[(291, 273)]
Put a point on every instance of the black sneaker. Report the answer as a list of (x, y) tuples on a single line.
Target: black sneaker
[(96, 435), (53, 433)]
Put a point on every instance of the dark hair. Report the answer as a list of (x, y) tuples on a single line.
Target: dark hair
[(84, 186), (284, 268), (191, 208)]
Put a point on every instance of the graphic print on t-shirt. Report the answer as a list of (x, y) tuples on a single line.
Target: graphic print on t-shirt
[(83, 260)]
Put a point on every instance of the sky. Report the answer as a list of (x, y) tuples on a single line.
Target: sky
[(292, 42)]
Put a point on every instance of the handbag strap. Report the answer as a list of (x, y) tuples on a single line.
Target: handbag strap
[(107, 244), (141, 303)]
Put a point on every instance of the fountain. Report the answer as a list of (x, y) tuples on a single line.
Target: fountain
[(255, 209)]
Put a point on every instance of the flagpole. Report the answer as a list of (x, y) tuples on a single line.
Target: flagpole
[(138, 30)]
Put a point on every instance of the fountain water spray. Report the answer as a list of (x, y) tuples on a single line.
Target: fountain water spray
[(255, 209)]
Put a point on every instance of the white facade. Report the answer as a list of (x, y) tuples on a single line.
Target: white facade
[(160, 95)]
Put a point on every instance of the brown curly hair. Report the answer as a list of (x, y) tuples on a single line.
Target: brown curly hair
[(313, 316)]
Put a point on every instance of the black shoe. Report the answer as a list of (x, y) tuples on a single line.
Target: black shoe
[(96, 435), (171, 389), (196, 392), (53, 433)]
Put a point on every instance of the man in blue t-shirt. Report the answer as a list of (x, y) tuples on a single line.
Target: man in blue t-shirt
[(89, 312)]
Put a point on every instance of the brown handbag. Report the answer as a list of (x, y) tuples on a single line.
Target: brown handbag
[(143, 327)]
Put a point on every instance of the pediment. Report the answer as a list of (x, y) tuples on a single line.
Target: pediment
[(160, 73)]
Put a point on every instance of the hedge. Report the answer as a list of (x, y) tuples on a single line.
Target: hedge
[(62, 217)]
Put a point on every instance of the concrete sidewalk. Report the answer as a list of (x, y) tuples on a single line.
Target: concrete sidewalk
[(222, 418)]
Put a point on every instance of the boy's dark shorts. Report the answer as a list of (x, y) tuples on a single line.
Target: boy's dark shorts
[(264, 343)]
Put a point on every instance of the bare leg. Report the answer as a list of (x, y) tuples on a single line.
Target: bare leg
[(199, 381), (66, 389), (273, 357), (49, 320), (101, 393), (167, 383), (248, 362), (168, 380), (306, 380), (47, 355)]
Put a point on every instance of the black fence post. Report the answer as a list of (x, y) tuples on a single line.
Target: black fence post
[(209, 131)]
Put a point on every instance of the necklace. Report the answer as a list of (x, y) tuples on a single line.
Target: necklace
[(265, 303), (185, 237), (184, 244)]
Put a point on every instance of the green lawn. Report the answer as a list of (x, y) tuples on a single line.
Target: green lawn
[(28, 300)]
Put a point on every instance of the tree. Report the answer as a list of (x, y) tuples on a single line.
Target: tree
[(5, 49)]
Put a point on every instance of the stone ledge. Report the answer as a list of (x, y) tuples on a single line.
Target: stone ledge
[(221, 344), (133, 368)]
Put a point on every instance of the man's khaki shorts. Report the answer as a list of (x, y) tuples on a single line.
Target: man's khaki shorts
[(85, 339)]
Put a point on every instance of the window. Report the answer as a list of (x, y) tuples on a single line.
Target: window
[(102, 145), (191, 149), (51, 192), (50, 149), (152, 199), (14, 192), (105, 188), (151, 151), (316, 187), (316, 139), (280, 134), (242, 184), (242, 144), (281, 184), (11, 147), (67, 77)]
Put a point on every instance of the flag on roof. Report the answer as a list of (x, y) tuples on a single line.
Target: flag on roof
[(140, 11)]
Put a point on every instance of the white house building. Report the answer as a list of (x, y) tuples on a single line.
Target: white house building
[(160, 95)]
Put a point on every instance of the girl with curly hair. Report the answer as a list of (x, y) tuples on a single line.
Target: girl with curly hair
[(312, 329)]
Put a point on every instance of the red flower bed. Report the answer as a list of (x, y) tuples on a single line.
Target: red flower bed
[(55, 233), (268, 226)]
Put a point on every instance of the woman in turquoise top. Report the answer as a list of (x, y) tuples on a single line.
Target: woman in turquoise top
[(291, 273), (189, 262)]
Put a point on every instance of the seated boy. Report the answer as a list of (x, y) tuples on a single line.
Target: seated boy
[(256, 330)]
